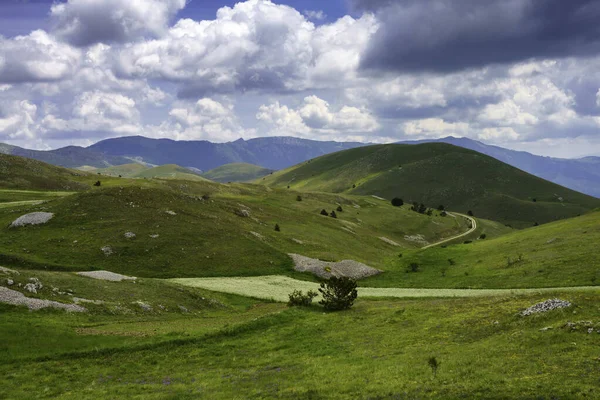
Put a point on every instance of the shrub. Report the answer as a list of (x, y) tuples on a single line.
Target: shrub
[(470, 213), (298, 198), (299, 299), (534, 200), (339, 209), (434, 364), (205, 197), (98, 183), (451, 261), (441, 208), (333, 214), (443, 213), (354, 186), (338, 293), (468, 241), (482, 236), (324, 212), (413, 267), (277, 228), (397, 202)]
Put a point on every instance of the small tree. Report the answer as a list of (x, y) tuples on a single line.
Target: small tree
[(443, 213), (98, 183), (277, 228), (339, 209), (470, 213), (298, 198), (434, 364), (338, 293), (333, 214), (397, 202), (324, 212), (413, 267), (482, 236), (441, 208)]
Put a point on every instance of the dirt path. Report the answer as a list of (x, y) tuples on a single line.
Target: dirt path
[(473, 227), (21, 203)]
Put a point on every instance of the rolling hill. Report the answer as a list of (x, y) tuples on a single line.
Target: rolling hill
[(439, 174), (236, 172), (582, 175), (169, 171)]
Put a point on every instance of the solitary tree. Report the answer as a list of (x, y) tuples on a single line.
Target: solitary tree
[(277, 228), (340, 209), (98, 183), (338, 293), (470, 213), (298, 198), (397, 202), (333, 214), (441, 208)]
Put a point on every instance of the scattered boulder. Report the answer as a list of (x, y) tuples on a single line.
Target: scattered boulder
[(106, 276), (242, 213), (9, 271), (35, 218), (10, 282), (297, 241), (107, 250), (183, 309), (129, 235), (144, 306), (257, 235), (171, 212), (416, 238), (9, 296), (323, 269), (545, 306), (156, 235), (34, 285)]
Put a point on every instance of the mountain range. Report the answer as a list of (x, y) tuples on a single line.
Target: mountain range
[(277, 153)]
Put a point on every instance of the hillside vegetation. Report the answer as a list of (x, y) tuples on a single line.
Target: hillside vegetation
[(236, 172), (201, 228), (438, 173)]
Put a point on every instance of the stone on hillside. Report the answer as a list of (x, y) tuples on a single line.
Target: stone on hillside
[(35, 218), (129, 235), (10, 282), (171, 212), (242, 213), (107, 250), (34, 285), (323, 269), (545, 306), (107, 276)]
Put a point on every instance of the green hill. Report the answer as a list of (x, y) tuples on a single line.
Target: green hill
[(561, 253), (236, 172), (438, 173), (169, 171), (27, 174), (125, 170)]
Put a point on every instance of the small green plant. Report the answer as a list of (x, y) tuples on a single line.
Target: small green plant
[(434, 364), (298, 198), (277, 228), (299, 299), (413, 267), (512, 261), (338, 293), (451, 261)]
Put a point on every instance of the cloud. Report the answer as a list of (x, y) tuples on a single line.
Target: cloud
[(37, 57), (451, 35), (433, 128), (17, 119), (315, 117), (255, 46), (318, 15), (598, 98), (87, 22)]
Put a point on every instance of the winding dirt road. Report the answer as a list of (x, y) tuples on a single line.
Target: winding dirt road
[(473, 227)]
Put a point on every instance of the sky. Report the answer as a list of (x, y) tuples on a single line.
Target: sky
[(521, 74)]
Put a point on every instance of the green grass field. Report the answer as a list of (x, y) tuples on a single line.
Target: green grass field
[(438, 173)]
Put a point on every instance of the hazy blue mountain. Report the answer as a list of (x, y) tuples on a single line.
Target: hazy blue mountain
[(581, 174), (69, 157), (269, 152)]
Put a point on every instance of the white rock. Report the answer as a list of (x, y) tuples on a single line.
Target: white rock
[(107, 250), (129, 235), (35, 218)]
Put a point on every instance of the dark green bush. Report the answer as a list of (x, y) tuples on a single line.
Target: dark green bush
[(397, 202), (299, 299), (338, 293), (324, 212), (277, 228)]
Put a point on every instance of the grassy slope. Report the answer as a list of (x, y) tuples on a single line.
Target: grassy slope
[(436, 174), (379, 349), (562, 253), (236, 172), (125, 170), (169, 171), (206, 237)]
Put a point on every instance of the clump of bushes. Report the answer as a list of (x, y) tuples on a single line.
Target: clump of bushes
[(299, 299), (397, 202), (324, 212), (338, 293)]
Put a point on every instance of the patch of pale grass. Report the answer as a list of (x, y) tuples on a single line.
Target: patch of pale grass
[(278, 287)]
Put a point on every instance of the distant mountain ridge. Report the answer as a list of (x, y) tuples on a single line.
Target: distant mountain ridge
[(282, 152), (582, 175), (270, 152)]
